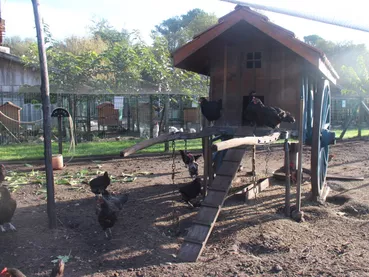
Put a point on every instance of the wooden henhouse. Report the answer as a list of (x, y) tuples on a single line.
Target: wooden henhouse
[(107, 115), (10, 110), (245, 52)]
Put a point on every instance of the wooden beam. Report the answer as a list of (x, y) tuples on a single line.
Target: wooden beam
[(225, 74), (232, 143), (206, 132)]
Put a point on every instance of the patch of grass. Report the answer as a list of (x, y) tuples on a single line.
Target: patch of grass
[(86, 149), (352, 133)]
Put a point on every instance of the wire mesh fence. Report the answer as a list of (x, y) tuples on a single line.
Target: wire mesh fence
[(94, 115)]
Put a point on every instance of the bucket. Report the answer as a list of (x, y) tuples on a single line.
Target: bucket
[(57, 161)]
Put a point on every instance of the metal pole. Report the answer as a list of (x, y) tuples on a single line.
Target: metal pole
[(45, 95), (301, 15), (287, 206)]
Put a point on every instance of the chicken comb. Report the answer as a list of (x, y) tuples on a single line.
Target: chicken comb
[(4, 271)]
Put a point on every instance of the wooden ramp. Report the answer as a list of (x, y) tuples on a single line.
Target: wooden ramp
[(204, 222)]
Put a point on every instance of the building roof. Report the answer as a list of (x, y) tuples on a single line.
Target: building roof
[(11, 104), (245, 14), (11, 57)]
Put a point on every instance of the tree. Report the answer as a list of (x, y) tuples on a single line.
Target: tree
[(178, 30), (350, 60)]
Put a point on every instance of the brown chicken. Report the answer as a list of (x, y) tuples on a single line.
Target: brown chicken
[(2, 173), (57, 271), (7, 209)]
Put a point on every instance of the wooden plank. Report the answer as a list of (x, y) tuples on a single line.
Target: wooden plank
[(195, 241), (252, 191), (198, 232), (222, 182), (214, 198), (228, 169), (234, 155), (207, 222), (189, 252), (206, 212)]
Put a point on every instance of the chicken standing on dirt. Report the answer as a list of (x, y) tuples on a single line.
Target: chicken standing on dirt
[(57, 271), (99, 184), (211, 109), (2, 173), (190, 162), (190, 191), (187, 157), (7, 209), (108, 208)]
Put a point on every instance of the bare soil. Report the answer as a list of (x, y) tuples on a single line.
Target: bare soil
[(249, 239)]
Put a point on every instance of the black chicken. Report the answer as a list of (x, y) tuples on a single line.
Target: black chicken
[(109, 205), (7, 209), (190, 191), (115, 202), (211, 109), (190, 162), (262, 115), (99, 184), (187, 157), (2, 173)]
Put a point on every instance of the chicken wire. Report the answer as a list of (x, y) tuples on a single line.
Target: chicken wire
[(94, 115)]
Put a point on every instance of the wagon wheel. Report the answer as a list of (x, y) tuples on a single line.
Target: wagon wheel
[(322, 137)]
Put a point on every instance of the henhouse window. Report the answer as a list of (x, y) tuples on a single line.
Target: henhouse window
[(253, 60)]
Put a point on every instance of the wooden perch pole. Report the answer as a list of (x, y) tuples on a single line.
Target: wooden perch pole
[(45, 96), (232, 143), (173, 136)]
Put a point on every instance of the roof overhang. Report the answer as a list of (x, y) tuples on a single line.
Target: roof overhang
[(182, 56)]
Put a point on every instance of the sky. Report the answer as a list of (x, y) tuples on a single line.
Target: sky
[(72, 17)]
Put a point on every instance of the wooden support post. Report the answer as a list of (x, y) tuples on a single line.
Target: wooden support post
[(293, 155), (60, 135), (45, 95), (225, 75), (210, 165), (207, 163)]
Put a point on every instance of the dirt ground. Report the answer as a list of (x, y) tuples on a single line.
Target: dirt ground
[(250, 239)]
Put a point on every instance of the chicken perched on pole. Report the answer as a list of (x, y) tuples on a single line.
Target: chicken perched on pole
[(260, 115)]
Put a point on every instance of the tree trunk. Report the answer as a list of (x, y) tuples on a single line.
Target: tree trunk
[(46, 108)]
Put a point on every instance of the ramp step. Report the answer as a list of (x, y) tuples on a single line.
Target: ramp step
[(203, 222), (195, 241)]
